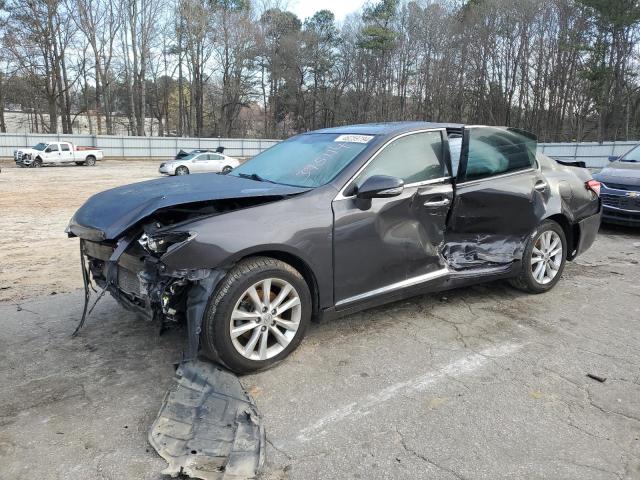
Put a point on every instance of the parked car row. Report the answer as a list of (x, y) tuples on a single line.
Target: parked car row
[(184, 163)]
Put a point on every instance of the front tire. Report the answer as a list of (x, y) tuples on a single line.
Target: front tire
[(37, 163), (182, 170), (543, 260), (257, 316)]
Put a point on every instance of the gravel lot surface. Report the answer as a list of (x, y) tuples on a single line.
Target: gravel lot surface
[(36, 204), (476, 383)]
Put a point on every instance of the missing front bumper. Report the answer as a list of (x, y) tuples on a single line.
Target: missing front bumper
[(142, 284)]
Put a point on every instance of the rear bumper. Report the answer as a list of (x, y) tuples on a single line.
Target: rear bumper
[(588, 231)]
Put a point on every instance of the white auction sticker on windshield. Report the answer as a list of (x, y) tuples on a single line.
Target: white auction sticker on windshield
[(354, 138)]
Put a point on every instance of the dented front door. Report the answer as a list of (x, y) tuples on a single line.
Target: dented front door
[(392, 243), (500, 198)]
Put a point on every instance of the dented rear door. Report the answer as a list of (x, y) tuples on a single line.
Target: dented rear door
[(500, 198)]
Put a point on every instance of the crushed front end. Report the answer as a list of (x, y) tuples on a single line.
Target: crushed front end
[(22, 158), (131, 270)]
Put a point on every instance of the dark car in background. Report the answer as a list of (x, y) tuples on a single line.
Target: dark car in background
[(620, 189), (332, 222)]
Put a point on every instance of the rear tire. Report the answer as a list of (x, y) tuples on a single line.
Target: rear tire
[(233, 308), (90, 161), (182, 170), (226, 169), (542, 261)]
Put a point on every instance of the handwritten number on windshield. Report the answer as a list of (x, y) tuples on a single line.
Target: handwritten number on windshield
[(317, 163)]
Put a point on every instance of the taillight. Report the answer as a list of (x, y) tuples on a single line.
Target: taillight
[(594, 186)]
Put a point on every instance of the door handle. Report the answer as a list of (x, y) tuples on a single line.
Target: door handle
[(437, 203), (540, 186)]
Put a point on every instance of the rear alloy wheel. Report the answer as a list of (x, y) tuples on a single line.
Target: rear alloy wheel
[(182, 171), (543, 259), (90, 161), (226, 169), (257, 316)]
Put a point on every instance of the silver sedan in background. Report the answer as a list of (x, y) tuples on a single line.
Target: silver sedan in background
[(198, 163)]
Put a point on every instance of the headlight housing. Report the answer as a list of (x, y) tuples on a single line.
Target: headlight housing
[(159, 243)]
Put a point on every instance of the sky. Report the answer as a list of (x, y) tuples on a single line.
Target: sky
[(340, 8)]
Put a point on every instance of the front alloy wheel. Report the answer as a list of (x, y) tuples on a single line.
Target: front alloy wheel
[(257, 316), (265, 319)]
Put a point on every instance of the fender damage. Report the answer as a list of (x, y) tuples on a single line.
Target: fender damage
[(126, 232)]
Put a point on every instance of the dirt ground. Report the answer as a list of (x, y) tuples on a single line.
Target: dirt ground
[(36, 257)]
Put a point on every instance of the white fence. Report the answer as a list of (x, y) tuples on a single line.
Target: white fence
[(594, 154), (145, 147)]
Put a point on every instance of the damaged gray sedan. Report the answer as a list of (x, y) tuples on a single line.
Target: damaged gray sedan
[(331, 222)]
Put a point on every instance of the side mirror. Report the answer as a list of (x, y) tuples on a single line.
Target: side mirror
[(380, 186), (613, 158)]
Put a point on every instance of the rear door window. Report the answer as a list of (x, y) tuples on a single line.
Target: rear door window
[(414, 158), (491, 151), (64, 147)]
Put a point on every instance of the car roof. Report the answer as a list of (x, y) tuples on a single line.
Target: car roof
[(387, 128)]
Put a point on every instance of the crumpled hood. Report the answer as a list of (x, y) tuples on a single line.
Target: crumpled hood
[(106, 215), (621, 173)]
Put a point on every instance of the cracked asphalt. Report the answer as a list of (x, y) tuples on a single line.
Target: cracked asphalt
[(476, 383)]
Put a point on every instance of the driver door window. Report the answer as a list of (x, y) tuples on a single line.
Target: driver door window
[(52, 150), (414, 158)]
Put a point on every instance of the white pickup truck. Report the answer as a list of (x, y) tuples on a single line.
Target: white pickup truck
[(56, 153)]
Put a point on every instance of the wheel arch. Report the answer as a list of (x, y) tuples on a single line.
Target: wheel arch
[(571, 233), (297, 262)]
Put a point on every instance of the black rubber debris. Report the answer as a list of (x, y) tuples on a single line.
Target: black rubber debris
[(208, 427), (598, 378)]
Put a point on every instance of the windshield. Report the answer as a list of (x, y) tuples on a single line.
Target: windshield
[(632, 156), (40, 146), (308, 160)]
